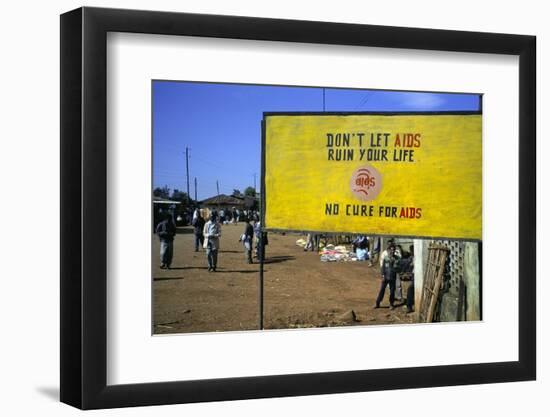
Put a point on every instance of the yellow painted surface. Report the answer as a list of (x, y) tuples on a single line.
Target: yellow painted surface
[(443, 179)]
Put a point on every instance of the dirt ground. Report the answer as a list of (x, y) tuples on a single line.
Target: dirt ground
[(299, 290)]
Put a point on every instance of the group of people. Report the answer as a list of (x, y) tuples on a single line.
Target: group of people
[(207, 234), (254, 239), (393, 263), (235, 215)]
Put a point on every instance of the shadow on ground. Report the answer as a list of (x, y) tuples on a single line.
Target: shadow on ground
[(278, 259), (50, 392)]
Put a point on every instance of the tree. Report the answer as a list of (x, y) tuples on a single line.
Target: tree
[(163, 192), (250, 191), (178, 195)]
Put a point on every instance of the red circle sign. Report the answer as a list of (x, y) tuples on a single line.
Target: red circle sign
[(366, 183)]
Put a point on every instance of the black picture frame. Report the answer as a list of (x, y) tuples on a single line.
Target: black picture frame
[(84, 207)]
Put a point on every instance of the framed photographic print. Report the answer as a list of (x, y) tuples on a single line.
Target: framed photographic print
[(245, 201)]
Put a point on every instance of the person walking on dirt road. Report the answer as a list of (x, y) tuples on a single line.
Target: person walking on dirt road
[(166, 230), (212, 232), (247, 238), (198, 226)]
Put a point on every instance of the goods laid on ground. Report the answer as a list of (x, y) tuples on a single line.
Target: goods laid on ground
[(339, 253), (301, 242)]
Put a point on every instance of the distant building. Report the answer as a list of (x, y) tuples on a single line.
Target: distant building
[(223, 201), (227, 203)]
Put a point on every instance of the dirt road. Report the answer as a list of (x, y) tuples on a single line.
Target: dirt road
[(299, 289)]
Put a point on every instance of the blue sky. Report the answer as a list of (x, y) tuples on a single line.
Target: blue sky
[(221, 126)]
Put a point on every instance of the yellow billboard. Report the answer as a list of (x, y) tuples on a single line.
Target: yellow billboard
[(397, 174)]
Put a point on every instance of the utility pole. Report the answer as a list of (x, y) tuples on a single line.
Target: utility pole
[(254, 182), (218, 189), (195, 190), (187, 169)]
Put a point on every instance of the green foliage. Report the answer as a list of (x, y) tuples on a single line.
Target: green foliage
[(250, 191), (178, 195), (163, 192)]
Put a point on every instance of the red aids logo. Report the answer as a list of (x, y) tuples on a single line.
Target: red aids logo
[(366, 183)]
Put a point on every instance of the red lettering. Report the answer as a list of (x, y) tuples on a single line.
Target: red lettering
[(410, 213), (408, 140)]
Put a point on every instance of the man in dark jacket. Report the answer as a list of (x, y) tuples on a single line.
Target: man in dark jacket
[(198, 226), (388, 276), (247, 238), (261, 240), (166, 230)]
